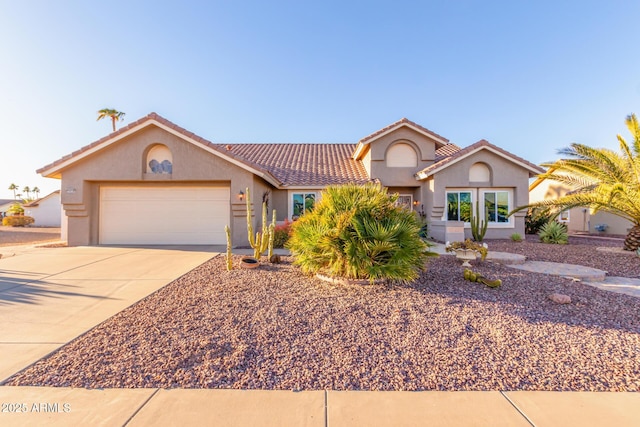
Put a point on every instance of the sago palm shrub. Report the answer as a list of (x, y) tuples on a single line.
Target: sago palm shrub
[(358, 232)]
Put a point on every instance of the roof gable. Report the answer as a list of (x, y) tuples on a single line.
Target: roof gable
[(404, 122), (472, 149), (41, 199), (53, 170)]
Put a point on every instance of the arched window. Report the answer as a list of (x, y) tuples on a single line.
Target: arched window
[(159, 160), (479, 172), (402, 156)]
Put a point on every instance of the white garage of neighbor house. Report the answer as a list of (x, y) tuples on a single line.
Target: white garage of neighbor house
[(153, 182), (46, 211)]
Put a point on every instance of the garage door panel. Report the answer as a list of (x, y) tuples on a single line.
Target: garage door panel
[(163, 215)]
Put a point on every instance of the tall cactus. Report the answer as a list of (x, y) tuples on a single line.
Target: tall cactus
[(227, 230), (260, 242), (478, 225), (272, 234)]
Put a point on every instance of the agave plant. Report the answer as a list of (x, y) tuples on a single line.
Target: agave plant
[(358, 232), (601, 180)]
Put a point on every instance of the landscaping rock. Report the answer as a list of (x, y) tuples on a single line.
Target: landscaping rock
[(560, 298)]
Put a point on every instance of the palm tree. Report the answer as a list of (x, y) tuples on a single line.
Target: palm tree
[(28, 191), (14, 187), (115, 115), (600, 179), (36, 191)]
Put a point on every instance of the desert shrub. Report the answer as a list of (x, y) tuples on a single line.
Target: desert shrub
[(17, 220), (281, 234), (15, 209), (357, 232), (535, 219), (554, 232), (516, 237)]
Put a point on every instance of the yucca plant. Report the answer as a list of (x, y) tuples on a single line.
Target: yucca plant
[(554, 232), (357, 232)]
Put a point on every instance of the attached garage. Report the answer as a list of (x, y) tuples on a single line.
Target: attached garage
[(163, 215)]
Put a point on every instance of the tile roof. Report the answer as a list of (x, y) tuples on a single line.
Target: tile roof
[(37, 201), (398, 123), (446, 151), (303, 164), (444, 162)]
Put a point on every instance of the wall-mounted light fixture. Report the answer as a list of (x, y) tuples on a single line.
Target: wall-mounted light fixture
[(241, 196), (416, 202)]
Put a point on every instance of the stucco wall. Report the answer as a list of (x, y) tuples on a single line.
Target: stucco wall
[(124, 163), (375, 159), (504, 175), (47, 213)]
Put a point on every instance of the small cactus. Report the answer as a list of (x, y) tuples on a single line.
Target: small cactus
[(227, 230), (477, 277), (478, 225), (263, 238)]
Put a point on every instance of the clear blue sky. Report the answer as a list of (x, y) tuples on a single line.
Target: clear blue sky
[(529, 76)]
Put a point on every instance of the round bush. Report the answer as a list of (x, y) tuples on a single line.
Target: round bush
[(358, 232)]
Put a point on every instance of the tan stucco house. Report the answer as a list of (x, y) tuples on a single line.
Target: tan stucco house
[(579, 219), (153, 182)]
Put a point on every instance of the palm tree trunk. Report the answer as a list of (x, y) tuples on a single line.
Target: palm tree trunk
[(632, 242), (113, 123)]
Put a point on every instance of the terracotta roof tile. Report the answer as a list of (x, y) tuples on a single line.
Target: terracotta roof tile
[(303, 164)]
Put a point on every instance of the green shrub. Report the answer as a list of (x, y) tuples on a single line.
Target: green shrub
[(535, 219), (15, 209), (516, 237), (281, 234), (17, 220), (357, 232), (554, 232)]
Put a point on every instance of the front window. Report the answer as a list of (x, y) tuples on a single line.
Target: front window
[(564, 216), (303, 202), (459, 206), (496, 205), (405, 200)]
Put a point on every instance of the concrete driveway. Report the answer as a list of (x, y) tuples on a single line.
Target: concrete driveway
[(49, 296)]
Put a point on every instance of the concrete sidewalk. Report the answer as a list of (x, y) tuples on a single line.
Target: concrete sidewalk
[(50, 296), (159, 407)]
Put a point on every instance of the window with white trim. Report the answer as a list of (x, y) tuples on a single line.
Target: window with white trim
[(301, 203), (564, 216), (405, 200), (497, 206), (459, 206)]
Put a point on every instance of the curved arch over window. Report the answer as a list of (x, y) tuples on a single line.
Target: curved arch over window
[(479, 172), (402, 155), (159, 160)]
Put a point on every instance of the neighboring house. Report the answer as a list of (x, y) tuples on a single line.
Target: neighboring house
[(153, 182), (578, 220), (46, 211), (5, 204)]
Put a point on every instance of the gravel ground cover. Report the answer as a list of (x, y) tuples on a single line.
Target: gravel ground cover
[(274, 328), (10, 236), (581, 251)]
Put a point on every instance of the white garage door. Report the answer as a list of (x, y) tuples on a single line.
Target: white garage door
[(163, 215)]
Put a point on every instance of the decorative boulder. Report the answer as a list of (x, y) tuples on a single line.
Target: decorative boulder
[(560, 298)]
